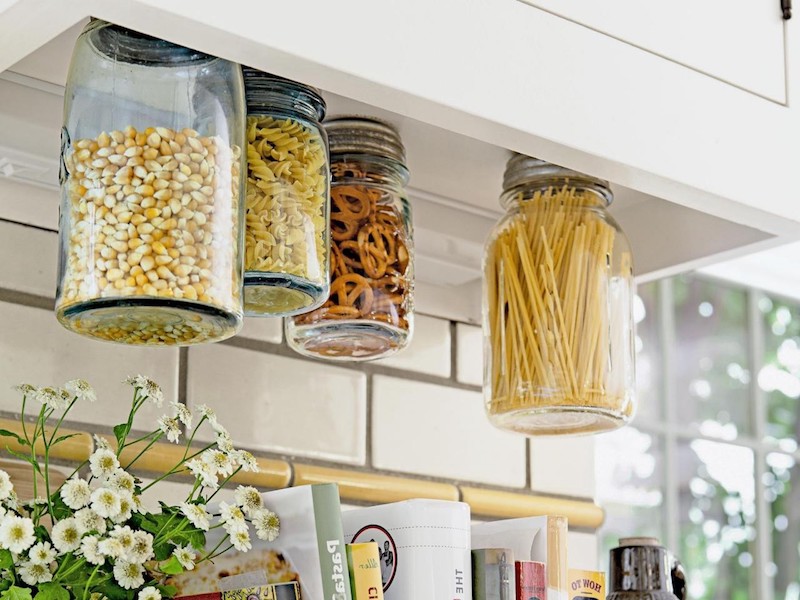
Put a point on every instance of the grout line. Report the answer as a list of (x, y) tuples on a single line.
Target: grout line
[(368, 438), (453, 352), (28, 225), (528, 477), (26, 299), (183, 374)]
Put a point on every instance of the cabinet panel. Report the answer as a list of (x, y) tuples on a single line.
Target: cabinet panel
[(738, 41)]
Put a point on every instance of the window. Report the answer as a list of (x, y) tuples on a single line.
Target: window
[(711, 465)]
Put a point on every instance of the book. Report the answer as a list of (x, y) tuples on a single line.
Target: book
[(587, 585), (531, 580), (493, 574), (363, 561), (278, 591), (424, 547), (309, 550), (541, 539)]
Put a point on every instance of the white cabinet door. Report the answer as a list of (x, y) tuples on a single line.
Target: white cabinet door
[(740, 42)]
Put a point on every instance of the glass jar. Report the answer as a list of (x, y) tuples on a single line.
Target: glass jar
[(287, 237), (150, 222), (558, 297), (369, 313)]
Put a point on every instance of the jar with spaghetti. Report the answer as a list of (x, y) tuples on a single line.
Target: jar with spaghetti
[(287, 237), (558, 292), (151, 219), (369, 313)]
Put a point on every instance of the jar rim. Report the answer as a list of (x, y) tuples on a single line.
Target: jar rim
[(524, 170), (262, 89), (365, 135)]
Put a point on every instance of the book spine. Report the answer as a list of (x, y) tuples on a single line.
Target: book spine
[(330, 539), (363, 561), (531, 580)]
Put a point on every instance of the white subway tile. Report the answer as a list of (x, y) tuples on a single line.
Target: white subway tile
[(282, 404), (469, 354), (35, 349), (563, 465), (30, 258), (435, 430), (582, 551), (429, 350), (263, 328)]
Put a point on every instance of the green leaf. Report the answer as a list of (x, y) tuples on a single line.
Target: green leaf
[(167, 591), (26, 457), (51, 591), (172, 566), (16, 593), (11, 434), (121, 432), (63, 438), (6, 559)]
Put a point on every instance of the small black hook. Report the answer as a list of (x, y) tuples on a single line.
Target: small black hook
[(786, 7)]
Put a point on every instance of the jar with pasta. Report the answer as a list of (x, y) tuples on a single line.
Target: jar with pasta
[(151, 220), (287, 237), (558, 295), (369, 313)]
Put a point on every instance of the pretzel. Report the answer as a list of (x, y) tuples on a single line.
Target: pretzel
[(353, 290), (351, 204), (376, 248)]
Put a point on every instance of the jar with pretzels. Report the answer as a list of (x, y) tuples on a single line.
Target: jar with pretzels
[(369, 313), (287, 236)]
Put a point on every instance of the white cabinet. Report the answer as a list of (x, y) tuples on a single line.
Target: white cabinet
[(690, 115), (737, 41)]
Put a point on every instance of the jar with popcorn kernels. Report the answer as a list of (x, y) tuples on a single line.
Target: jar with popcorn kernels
[(151, 213)]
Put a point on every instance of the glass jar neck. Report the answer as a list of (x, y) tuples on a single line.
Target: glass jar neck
[(128, 46), (368, 168), (570, 191), (266, 93)]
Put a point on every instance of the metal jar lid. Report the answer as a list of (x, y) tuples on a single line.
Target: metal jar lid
[(364, 135), (128, 46), (261, 89), (521, 170)]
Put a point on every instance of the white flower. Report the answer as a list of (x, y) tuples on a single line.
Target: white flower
[(125, 508), (209, 414), (183, 414), (142, 549), (224, 442), (101, 442), (121, 481), (35, 573), (186, 556), (80, 389), (149, 593), (246, 460), (88, 520), (197, 515), (147, 388), (5, 485), (267, 524), (76, 493), (241, 540), (248, 498), (125, 537), (105, 503), (103, 463), (171, 427), (66, 535), (12, 502), (26, 389), (138, 506), (90, 548), (219, 461), (16, 533), (42, 553), (204, 472), (128, 575), (111, 548), (51, 397), (232, 517)]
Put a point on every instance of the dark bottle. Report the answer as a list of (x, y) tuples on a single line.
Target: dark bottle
[(641, 569)]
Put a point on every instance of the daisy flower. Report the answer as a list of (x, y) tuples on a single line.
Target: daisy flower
[(88, 520), (50, 397), (101, 442), (197, 515), (224, 442), (246, 460), (171, 427), (80, 389), (147, 388), (16, 533), (219, 461), (128, 575), (34, 573), (42, 553), (267, 524), (125, 508), (183, 414), (105, 502), (125, 537), (186, 556), (149, 593), (90, 548), (248, 498), (209, 414), (111, 548), (121, 481), (66, 535), (6, 487), (103, 463), (232, 517), (26, 389), (76, 493), (142, 549), (204, 472), (241, 540)]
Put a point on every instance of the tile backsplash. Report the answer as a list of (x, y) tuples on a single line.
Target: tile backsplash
[(419, 412)]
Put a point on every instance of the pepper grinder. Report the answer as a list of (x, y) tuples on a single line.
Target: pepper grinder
[(641, 569)]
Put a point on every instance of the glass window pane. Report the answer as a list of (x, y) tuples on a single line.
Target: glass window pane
[(630, 486), (717, 519), (711, 359), (780, 375), (648, 353), (782, 490)]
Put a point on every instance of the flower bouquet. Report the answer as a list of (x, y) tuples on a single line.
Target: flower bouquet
[(92, 539)]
